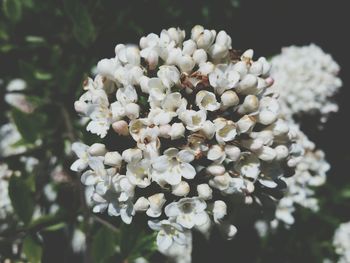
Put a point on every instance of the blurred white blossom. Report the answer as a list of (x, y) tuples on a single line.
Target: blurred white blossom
[(306, 79), (341, 242)]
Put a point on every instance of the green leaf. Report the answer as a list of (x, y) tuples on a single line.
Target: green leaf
[(32, 250), (103, 244), (40, 75), (12, 9), (47, 221), (28, 125), (135, 242), (21, 199), (83, 28)]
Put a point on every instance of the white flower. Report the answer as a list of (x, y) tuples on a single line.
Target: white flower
[(168, 233), (174, 165), (81, 150), (188, 212), (206, 100), (193, 120), (223, 78), (177, 131), (248, 166), (169, 75), (138, 172), (204, 191), (225, 130), (157, 90), (98, 172)]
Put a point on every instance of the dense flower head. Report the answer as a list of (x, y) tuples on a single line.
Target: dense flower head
[(306, 79), (199, 127), (341, 242)]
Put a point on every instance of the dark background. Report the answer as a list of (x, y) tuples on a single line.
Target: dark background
[(265, 26)]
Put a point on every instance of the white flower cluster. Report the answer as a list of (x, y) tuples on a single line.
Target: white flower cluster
[(5, 202), (310, 172), (201, 126), (306, 79), (341, 242)]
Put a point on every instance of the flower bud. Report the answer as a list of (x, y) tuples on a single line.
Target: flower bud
[(208, 129), (152, 59), (144, 84), (216, 169), (281, 152), (181, 189), (142, 204), (200, 56), (133, 55), (156, 202), (186, 63), (247, 55), (250, 104), (80, 107), (247, 85), (121, 127), (266, 154), (245, 124), (204, 191), (132, 155), (256, 68), (241, 68), (206, 39), (97, 149), (164, 131), (267, 117), (113, 159), (189, 46), (196, 32), (216, 153), (228, 99), (219, 210), (132, 110), (177, 131), (233, 152)]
